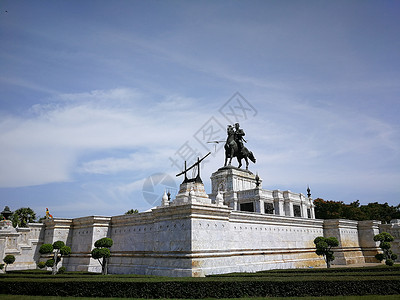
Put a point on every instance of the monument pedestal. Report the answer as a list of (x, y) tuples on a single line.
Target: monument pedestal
[(230, 180)]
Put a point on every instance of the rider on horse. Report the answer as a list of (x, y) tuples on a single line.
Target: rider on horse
[(239, 134)]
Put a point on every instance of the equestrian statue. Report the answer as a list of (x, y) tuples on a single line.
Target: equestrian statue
[(234, 147)]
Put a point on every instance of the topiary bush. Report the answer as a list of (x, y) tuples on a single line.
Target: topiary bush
[(385, 238), (8, 260), (323, 247), (59, 249), (46, 248), (102, 253), (61, 270), (104, 243), (50, 263), (41, 264)]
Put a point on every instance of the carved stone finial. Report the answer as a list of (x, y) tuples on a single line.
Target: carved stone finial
[(308, 192), (257, 181), (164, 200)]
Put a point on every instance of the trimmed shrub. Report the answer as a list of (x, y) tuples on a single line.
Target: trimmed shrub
[(104, 243), (61, 270), (102, 253), (46, 248), (41, 264), (8, 260), (385, 238), (58, 244), (50, 263)]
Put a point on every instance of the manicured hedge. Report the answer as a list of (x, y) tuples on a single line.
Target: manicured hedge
[(265, 284), (201, 289)]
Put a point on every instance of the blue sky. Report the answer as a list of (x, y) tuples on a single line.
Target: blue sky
[(101, 101)]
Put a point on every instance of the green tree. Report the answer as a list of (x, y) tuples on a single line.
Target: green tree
[(382, 212), (132, 212), (59, 250), (324, 247), (354, 211), (8, 260), (102, 253), (385, 238), (327, 209), (22, 216)]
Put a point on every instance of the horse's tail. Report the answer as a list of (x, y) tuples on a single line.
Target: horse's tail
[(251, 157)]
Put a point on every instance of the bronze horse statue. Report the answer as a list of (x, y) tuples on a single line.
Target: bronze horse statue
[(232, 150)]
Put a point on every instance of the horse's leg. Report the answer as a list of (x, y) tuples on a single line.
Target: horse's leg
[(231, 156), (247, 163), (239, 161)]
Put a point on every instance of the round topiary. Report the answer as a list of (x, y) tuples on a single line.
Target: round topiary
[(389, 262), (9, 259), (58, 244), (41, 264), (46, 248), (50, 263), (104, 243), (65, 251), (61, 270), (98, 253), (380, 256)]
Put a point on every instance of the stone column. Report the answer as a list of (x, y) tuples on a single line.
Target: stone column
[(366, 232), (303, 206), (57, 230), (346, 231), (278, 199), (312, 209)]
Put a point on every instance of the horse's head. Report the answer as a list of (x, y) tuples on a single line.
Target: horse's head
[(230, 130)]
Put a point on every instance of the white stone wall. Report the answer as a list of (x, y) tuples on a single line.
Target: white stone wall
[(247, 242), (198, 235), (346, 231), (23, 243)]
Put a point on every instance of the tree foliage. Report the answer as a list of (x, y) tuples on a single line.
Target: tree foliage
[(323, 248), (385, 238), (8, 260), (354, 211), (102, 253), (22, 216), (132, 212), (59, 250)]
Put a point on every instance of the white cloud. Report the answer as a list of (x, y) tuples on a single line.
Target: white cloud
[(45, 146)]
